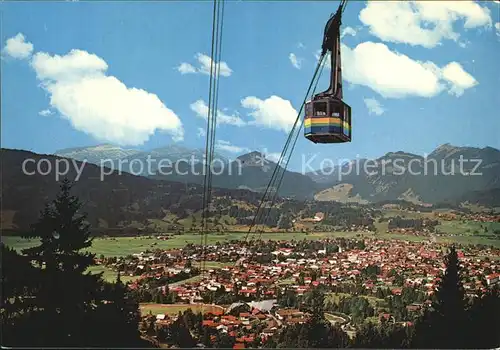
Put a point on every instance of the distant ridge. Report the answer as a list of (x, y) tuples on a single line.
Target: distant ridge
[(440, 180)]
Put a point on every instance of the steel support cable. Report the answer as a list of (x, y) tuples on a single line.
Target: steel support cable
[(207, 144), (284, 149), (215, 102), (342, 7), (212, 124), (278, 185)]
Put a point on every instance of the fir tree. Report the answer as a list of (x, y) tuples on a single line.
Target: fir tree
[(484, 318), (69, 307), (64, 292), (444, 326)]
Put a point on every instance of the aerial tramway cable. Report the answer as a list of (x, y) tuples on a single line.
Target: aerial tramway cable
[(274, 176), (283, 152), (277, 186), (215, 103), (218, 13)]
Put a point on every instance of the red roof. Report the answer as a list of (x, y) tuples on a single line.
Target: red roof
[(239, 346)]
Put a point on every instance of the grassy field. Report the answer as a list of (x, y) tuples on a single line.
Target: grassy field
[(110, 275), (173, 309), (122, 246), (406, 214), (469, 227), (335, 297)]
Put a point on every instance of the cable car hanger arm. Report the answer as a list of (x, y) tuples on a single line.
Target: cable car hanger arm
[(332, 27), (331, 43)]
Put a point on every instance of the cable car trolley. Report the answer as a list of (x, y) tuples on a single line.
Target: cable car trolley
[(328, 118)]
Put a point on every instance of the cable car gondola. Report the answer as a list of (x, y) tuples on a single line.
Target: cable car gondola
[(328, 118)]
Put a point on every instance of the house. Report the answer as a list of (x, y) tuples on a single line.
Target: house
[(492, 279), (319, 217)]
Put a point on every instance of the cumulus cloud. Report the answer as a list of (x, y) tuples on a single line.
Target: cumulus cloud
[(395, 75), (387, 72), (205, 63), (99, 104), (497, 27), (45, 113), (201, 110), (201, 132), (228, 147), (273, 112), (296, 62), (17, 47), (374, 106), (186, 68), (424, 23), (458, 79), (348, 31)]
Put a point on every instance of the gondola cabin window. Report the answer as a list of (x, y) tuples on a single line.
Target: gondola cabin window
[(335, 109), (347, 121), (309, 109), (320, 109)]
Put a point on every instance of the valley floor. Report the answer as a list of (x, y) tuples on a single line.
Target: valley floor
[(123, 246)]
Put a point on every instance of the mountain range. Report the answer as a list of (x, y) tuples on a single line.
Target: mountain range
[(394, 176), (126, 198), (447, 173), (113, 202), (135, 161)]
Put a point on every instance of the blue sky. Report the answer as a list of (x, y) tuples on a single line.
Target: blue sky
[(412, 86)]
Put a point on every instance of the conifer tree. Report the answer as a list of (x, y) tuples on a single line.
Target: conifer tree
[(484, 318), (444, 326), (69, 307), (65, 293)]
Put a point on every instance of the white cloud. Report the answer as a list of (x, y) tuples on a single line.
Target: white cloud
[(424, 23), (395, 75), (374, 106), (186, 68), (102, 105), (201, 110), (205, 63), (201, 132), (497, 27), (228, 147), (300, 45), (388, 73), (458, 78), (348, 31), (45, 113), (296, 62), (273, 112), (17, 47)]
